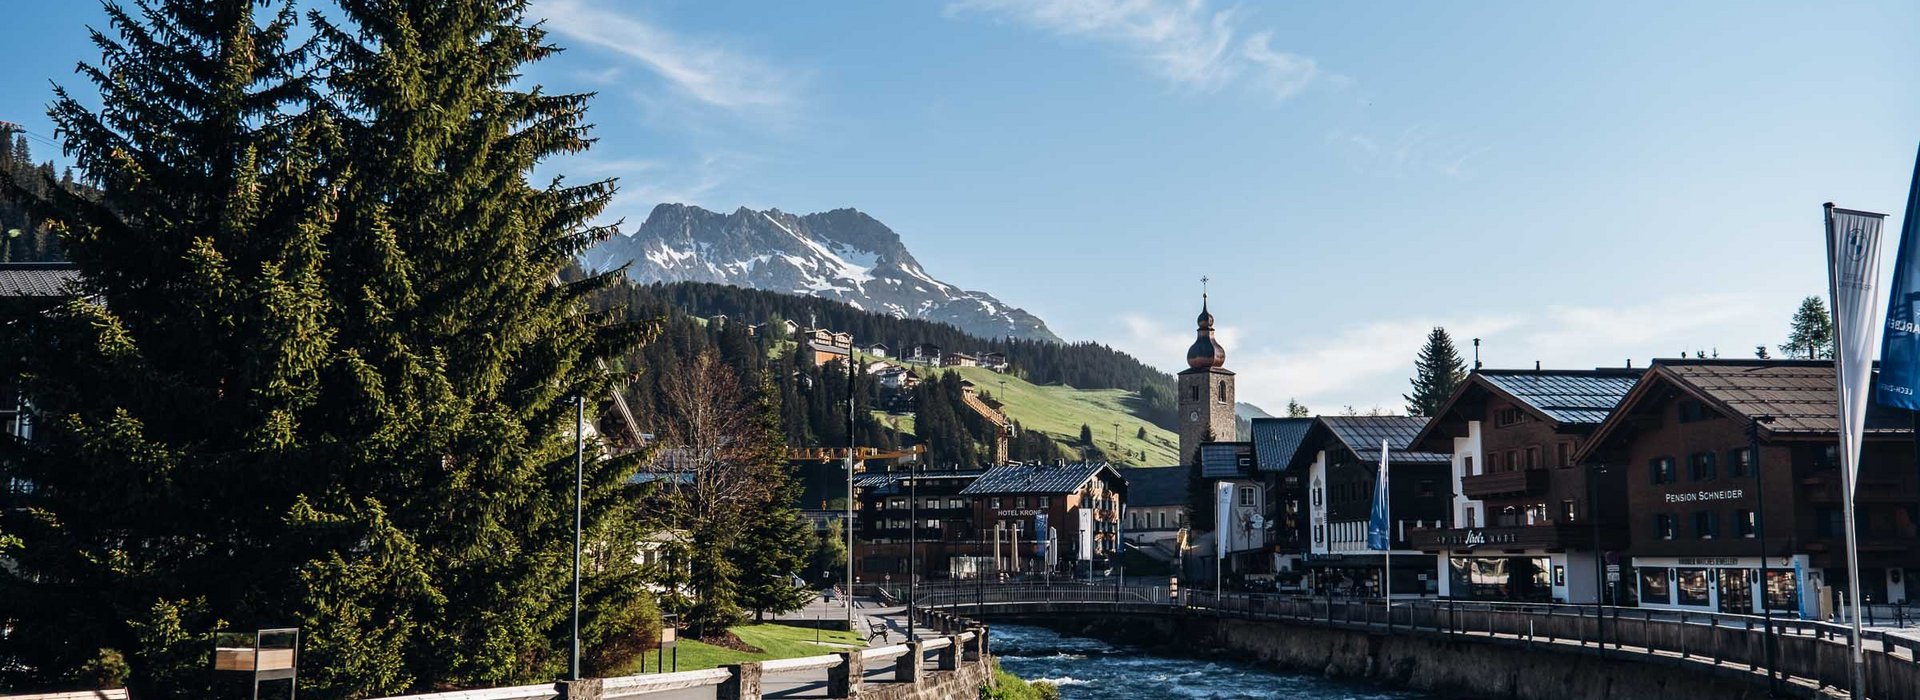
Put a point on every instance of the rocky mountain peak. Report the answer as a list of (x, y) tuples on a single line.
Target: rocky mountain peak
[(842, 254)]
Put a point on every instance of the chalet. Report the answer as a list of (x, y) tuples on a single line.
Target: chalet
[(959, 359), (996, 361), (1525, 517), (26, 287), (820, 346), (1156, 509), (924, 353), (1681, 441), (1044, 517), (1340, 485), (876, 349), (897, 378), (1267, 477), (949, 545)]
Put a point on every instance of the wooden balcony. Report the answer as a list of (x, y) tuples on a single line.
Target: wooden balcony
[(1525, 482)]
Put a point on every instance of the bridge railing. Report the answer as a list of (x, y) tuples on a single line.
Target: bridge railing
[(963, 595), (1811, 651)]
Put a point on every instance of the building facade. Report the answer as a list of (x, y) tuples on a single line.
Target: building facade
[(1694, 489), (1525, 515), (1049, 519), (1342, 478)]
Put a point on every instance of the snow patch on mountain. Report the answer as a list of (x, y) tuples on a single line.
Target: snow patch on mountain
[(842, 254)]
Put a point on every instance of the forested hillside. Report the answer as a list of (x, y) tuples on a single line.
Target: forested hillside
[(26, 239), (1082, 365)]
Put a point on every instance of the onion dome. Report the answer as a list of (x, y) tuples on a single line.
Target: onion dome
[(1205, 351)]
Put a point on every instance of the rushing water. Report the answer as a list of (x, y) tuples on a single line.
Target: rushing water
[(1089, 669)]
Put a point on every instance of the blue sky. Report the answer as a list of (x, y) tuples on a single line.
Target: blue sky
[(1577, 184)]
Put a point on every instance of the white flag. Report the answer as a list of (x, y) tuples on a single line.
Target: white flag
[(1086, 533), (1222, 516), (1853, 274)]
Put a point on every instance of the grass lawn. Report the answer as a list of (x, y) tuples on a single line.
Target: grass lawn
[(776, 641), (1059, 411)]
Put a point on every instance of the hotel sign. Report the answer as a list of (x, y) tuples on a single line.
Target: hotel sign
[(1017, 512), (1476, 537), (1726, 495)]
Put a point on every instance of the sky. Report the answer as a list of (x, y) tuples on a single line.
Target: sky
[(1577, 184)]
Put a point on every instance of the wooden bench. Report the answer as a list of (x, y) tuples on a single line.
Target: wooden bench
[(875, 628)]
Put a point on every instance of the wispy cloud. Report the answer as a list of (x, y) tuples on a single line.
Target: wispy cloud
[(1415, 150), (1187, 42), (1367, 365), (705, 69), (645, 183)]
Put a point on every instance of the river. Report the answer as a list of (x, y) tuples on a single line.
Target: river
[(1089, 669)]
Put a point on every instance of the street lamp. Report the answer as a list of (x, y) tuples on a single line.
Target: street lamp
[(579, 489), (1760, 533), (913, 541)]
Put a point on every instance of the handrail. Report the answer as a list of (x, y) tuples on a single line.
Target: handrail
[(883, 653), (803, 663), (629, 686), (113, 694), (936, 643), (541, 691)]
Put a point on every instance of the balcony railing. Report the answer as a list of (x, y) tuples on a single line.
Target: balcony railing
[(1514, 483), (1550, 536)]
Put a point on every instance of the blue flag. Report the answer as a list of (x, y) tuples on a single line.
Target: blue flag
[(1379, 523), (1899, 383)]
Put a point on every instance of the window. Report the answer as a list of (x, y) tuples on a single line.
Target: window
[(1193, 392), (1706, 524), (1700, 467), (1471, 518), (1829, 522), (1664, 526), (1566, 511), (1691, 411), (1655, 587), (995, 502), (956, 503), (1162, 518), (1222, 396), (1533, 457), (1513, 460), (1509, 416), (1563, 454), (1536, 514), (1662, 470), (1020, 502), (1046, 501), (1466, 465), (1739, 463), (1246, 495), (1693, 587), (1745, 523)]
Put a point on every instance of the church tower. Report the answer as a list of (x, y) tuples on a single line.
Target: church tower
[(1206, 391)]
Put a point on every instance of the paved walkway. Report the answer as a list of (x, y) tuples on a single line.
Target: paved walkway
[(813, 684)]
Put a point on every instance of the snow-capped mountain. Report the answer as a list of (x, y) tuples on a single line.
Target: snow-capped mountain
[(841, 254)]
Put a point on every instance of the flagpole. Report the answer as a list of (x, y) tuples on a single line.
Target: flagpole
[(1386, 574), (1849, 458)]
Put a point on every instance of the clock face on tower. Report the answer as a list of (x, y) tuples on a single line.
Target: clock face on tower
[(1193, 416)]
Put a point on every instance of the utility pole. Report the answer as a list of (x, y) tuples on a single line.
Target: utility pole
[(850, 449), (1760, 533), (913, 542), (579, 490)]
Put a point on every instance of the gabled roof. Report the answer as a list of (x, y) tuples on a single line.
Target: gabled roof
[(881, 479), (1036, 478), (37, 279), (1363, 434), (1155, 486), (1801, 396), (1566, 397), (1277, 442), (1221, 459)]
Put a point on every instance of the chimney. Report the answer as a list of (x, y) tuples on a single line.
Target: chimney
[(1629, 363), (1536, 365)]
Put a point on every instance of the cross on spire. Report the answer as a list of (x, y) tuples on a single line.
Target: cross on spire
[(1203, 287)]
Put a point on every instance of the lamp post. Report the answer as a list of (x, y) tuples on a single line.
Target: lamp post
[(913, 541), (1599, 559), (579, 489), (849, 528), (1760, 533)]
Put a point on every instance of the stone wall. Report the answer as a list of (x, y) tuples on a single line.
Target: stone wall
[(963, 683), (1472, 668)]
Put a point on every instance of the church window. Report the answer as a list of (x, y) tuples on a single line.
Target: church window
[(1223, 398), (1193, 392)]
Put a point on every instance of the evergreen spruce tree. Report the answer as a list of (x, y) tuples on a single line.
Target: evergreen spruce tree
[(1811, 336), (1437, 372), (773, 548), (323, 368), (1086, 435)]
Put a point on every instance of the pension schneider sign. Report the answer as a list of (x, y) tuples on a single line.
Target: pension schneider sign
[(1694, 496)]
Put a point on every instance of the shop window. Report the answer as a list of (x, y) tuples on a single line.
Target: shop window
[(1661, 470), (1706, 524), (1783, 592), (1745, 523), (1739, 463), (1693, 587), (1700, 467), (1655, 587)]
